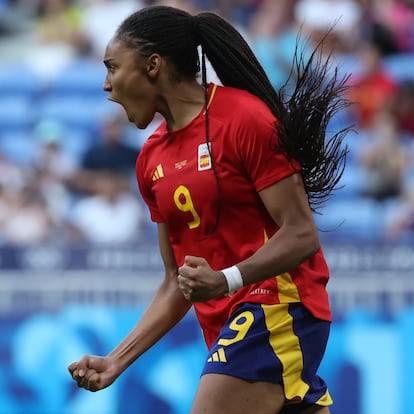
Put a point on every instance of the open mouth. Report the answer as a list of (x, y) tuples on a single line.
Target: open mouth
[(130, 119)]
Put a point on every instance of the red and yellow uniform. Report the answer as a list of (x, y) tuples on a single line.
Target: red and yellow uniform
[(177, 182), (275, 330)]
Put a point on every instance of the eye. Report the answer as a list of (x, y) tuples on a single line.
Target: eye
[(110, 67)]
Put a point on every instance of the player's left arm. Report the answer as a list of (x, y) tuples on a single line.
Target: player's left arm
[(297, 238), (295, 241)]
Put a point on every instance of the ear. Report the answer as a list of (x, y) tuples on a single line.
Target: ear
[(153, 65)]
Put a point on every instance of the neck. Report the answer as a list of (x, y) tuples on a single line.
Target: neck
[(182, 103)]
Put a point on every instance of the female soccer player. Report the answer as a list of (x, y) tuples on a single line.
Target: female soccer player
[(231, 177)]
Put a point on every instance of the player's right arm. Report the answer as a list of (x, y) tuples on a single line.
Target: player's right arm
[(167, 308)]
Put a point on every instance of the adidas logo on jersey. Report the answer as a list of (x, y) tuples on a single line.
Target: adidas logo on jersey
[(158, 173), (218, 356)]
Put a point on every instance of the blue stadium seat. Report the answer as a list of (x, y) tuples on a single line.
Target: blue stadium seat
[(82, 77), (15, 111), (400, 66), (357, 217), (19, 146), (19, 79), (75, 111), (351, 182)]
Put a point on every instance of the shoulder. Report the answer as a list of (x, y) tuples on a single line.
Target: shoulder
[(239, 99), (240, 107), (242, 112)]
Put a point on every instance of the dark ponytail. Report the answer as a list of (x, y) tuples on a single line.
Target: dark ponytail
[(304, 115)]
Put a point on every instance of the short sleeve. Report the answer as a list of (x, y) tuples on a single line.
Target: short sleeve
[(261, 152)]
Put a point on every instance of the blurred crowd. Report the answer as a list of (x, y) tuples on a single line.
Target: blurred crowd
[(67, 156)]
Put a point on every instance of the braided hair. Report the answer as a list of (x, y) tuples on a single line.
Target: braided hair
[(303, 114)]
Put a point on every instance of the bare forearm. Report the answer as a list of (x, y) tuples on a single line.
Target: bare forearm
[(282, 253), (295, 241), (165, 311)]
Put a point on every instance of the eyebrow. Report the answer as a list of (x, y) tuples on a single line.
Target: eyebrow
[(107, 60)]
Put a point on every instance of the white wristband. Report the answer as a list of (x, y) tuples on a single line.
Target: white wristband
[(234, 278)]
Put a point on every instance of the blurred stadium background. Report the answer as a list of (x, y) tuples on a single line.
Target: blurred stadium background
[(78, 255)]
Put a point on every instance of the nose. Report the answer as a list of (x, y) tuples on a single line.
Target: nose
[(107, 85)]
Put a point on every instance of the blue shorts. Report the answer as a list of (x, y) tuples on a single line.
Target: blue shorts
[(280, 343)]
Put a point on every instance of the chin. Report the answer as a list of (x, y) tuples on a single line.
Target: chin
[(140, 125)]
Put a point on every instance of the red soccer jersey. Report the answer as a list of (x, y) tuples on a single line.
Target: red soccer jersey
[(177, 181)]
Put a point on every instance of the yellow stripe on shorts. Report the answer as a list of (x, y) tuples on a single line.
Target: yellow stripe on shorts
[(287, 349)]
